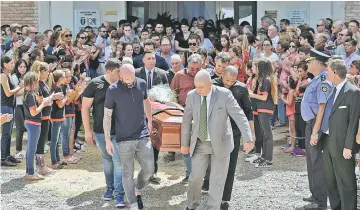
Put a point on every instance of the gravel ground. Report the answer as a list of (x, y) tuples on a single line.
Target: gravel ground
[(81, 186)]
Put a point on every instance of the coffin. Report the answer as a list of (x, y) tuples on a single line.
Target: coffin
[(167, 119)]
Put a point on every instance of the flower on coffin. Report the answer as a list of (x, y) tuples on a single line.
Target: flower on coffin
[(162, 93)]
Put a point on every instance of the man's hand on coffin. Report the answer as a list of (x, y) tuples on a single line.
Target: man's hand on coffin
[(185, 150), (109, 147)]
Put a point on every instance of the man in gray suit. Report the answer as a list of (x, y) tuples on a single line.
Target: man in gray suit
[(207, 135)]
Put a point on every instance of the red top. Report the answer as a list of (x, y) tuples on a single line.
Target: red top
[(290, 110)]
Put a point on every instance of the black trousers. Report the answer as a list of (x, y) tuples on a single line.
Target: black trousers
[(258, 135), (300, 125), (315, 167), (20, 126), (156, 157), (232, 168), (340, 180), (78, 123), (45, 125)]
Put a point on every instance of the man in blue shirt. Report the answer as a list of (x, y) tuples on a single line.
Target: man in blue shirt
[(312, 111), (101, 41)]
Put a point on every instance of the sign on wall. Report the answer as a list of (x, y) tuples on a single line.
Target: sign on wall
[(271, 13), (297, 16), (85, 18)]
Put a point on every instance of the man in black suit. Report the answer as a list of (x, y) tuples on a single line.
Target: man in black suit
[(241, 94), (339, 128), (149, 45), (153, 76)]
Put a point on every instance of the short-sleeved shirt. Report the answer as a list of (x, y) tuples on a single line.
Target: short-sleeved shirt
[(268, 105), (96, 89), (30, 102), (57, 113), (128, 108), (315, 94), (44, 92)]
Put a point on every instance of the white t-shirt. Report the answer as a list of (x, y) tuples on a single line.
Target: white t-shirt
[(16, 82), (272, 58)]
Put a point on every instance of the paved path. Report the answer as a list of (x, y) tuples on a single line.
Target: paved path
[(81, 186)]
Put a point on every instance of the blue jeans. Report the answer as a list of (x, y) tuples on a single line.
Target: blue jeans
[(91, 73), (6, 130), (112, 165), (66, 132), (281, 111), (187, 160), (33, 132), (54, 149)]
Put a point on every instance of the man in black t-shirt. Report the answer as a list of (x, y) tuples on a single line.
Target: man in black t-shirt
[(94, 95)]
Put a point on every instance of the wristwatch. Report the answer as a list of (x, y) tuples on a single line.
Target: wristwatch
[(314, 134)]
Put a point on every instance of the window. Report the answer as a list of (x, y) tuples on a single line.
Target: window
[(139, 9)]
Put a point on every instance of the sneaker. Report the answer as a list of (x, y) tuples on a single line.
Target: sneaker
[(108, 194), (119, 202), (357, 171), (257, 161), (264, 164), (285, 146), (155, 179), (21, 154), (139, 201), (251, 158), (71, 160), (8, 163), (185, 180), (205, 187), (46, 148), (224, 206), (299, 152), (289, 150), (12, 159)]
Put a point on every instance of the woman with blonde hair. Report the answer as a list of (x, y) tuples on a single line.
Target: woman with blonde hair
[(260, 38), (65, 41), (242, 41), (266, 94), (291, 31)]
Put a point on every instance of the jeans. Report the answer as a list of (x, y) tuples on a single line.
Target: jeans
[(281, 111), (91, 73), (143, 151), (33, 132), (66, 132), (112, 165), (6, 130), (187, 160), (54, 149), (265, 124), (20, 127), (45, 126)]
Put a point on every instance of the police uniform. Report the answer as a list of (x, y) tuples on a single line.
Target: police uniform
[(315, 94)]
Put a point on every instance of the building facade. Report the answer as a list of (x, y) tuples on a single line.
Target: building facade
[(74, 14)]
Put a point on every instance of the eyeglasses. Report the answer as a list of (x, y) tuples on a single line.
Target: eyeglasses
[(266, 45), (68, 35), (319, 25), (103, 31), (292, 46), (192, 44), (19, 33), (82, 37), (342, 34), (149, 27)]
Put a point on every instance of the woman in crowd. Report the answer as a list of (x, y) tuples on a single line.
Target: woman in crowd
[(181, 38), (36, 54), (260, 38), (306, 39), (225, 43), (237, 61), (65, 41), (268, 53), (110, 51), (32, 111), (19, 72), (243, 43), (128, 50), (17, 42), (8, 92), (266, 94)]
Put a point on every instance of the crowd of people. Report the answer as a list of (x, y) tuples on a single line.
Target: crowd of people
[(53, 84)]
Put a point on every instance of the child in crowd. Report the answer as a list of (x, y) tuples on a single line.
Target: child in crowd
[(32, 112), (290, 112)]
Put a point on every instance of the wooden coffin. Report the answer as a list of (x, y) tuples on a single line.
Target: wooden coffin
[(166, 135)]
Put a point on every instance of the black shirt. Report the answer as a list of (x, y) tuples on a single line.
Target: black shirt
[(265, 89), (128, 108), (31, 103), (44, 92), (181, 39), (96, 89), (8, 101), (57, 113)]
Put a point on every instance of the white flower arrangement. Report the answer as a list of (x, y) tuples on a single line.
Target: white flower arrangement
[(162, 93)]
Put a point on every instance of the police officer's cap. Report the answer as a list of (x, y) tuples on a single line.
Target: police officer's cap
[(317, 55)]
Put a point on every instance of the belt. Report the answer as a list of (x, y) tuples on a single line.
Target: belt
[(310, 121)]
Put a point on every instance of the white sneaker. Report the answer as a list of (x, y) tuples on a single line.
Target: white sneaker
[(357, 171), (20, 155), (251, 158), (46, 148)]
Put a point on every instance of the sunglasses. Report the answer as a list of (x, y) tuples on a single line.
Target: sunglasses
[(104, 31), (19, 33), (292, 46), (82, 37), (149, 27), (192, 44), (342, 34), (68, 35)]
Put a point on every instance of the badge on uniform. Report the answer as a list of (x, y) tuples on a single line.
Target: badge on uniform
[(323, 78), (324, 89)]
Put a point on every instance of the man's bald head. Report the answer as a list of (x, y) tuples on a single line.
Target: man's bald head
[(202, 82), (127, 74)]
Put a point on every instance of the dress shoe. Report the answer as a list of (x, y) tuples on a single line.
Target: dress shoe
[(8, 163), (224, 206), (14, 160), (139, 202), (309, 199)]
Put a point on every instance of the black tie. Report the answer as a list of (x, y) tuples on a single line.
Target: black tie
[(149, 80)]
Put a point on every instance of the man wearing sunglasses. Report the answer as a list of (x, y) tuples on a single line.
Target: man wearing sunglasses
[(101, 42), (15, 30), (29, 37)]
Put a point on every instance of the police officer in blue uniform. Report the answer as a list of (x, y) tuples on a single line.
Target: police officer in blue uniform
[(312, 111)]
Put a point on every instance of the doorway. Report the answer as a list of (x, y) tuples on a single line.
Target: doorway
[(245, 11)]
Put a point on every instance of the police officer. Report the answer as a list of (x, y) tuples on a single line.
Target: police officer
[(312, 111)]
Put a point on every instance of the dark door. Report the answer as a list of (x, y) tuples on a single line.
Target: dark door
[(245, 11), (139, 9)]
